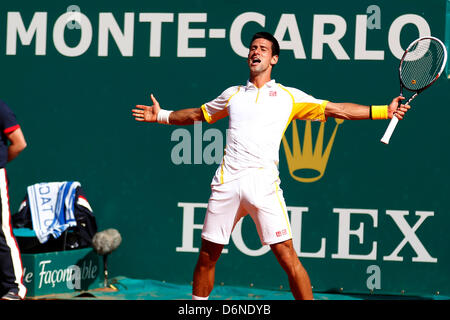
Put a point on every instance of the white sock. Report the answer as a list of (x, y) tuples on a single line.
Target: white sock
[(194, 297)]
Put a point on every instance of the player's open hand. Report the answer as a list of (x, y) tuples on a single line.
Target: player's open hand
[(146, 113), (398, 109)]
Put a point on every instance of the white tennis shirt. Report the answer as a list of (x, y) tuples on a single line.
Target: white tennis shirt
[(258, 118)]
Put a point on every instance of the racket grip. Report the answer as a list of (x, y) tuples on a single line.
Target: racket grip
[(390, 129)]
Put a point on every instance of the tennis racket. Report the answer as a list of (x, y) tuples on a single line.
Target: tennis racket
[(421, 65)]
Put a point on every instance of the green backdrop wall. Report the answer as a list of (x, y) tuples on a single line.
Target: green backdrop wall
[(375, 220)]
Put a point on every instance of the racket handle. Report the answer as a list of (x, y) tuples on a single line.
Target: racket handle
[(390, 129)]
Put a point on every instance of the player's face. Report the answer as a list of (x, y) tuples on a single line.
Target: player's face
[(260, 56)]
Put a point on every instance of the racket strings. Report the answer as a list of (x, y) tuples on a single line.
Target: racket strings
[(422, 64)]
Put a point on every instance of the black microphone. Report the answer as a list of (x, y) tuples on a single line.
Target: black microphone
[(104, 243)]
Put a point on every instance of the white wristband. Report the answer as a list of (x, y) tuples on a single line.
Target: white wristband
[(163, 116)]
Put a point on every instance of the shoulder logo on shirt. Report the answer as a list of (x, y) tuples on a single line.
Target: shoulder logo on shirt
[(272, 93), (305, 164)]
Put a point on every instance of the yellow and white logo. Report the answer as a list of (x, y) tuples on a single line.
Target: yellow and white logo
[(307, 164)]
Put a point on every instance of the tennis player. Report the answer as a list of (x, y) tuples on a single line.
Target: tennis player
[(247, 182)]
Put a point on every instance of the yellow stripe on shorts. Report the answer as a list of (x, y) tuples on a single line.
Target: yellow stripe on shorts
[(282, 208)]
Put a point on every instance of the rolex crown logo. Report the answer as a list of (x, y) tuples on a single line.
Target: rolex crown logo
[(306, 164)]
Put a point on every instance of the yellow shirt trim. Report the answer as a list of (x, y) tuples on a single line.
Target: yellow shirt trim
[(220, 114), (308, 110), (221, 169), (205, 114)]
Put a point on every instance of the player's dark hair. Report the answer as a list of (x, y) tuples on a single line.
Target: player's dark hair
[(271, 38)]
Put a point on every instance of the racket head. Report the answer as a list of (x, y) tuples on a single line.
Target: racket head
[(422, 63)]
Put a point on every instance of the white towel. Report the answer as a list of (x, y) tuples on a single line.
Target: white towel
[(52, 208)]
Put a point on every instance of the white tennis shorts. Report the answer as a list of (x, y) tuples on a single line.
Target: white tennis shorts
[(256, 193)]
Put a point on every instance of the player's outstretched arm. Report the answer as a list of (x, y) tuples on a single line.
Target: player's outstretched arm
[(353, 111), (154, 113)]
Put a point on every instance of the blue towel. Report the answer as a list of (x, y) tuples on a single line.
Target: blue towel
[(52, 208)]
